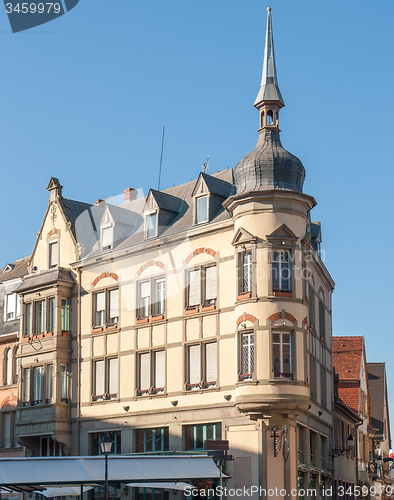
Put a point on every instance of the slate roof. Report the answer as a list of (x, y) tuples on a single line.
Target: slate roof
[(19, 269), (378, 391), (166, 201), (73, 209), (347, 356), (218, 186), (44, 278)]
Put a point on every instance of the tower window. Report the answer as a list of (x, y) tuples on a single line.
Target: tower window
[(247, 355), (281, 272), (281, 355), (270, 118)]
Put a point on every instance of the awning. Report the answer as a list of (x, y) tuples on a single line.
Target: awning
[(122, 469), (162, 486), (65, 491)]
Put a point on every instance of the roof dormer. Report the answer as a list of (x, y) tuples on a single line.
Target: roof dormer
[(159, 212), (208, 196)]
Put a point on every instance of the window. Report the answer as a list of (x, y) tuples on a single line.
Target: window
[(151, 225), (202, 287), (38, 385), (53, 254), (246, 272), (148, 440), (323, 386), (313, 377), (202, 366), (8, 361), (106, 237), (202, 209), (151, 373), (51, 314), (97, 437), (39, 316), (7, 440), (322, 319), (65, 384), (195, 435), (105, 379), (66, 315), (12, 307), (301, 444), (50, 384), (281, 271), (311, 298), (50, 448), (106, 309), (323, 453), (28, 320), (247, 355), (312, 447), (151, 297), (281, 355)]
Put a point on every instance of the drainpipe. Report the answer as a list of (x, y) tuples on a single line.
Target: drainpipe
[(79, 361)]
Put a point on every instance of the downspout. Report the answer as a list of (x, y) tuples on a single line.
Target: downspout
[(79, 361)]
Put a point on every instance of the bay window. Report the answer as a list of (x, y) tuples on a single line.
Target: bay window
[(281, 271), (246, 273), (66, 316), (247, 356), (39, 316)]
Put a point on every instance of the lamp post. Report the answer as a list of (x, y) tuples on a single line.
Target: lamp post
[(350, 444), (106, 448)]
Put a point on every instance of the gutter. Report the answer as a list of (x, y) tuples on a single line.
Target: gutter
[(79, 332)]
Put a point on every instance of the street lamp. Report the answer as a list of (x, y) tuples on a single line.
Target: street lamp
[(350, 444), (106, 448)]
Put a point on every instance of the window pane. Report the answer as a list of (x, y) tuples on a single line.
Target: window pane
[(66, 315), (247, 272), (64, 385), (51, 322), (113, 306), (159, 381), (211, 362), (210, 284), (160, 296), (98, 378), (28, 319), (26, 385), (100, 308), (113, 376), (144, 299), (151, 223), (50, 382), (194, 288), (194, 364), (18, 306), (247, 354), (202, 209), (6, 430), (38, 384), (11, 306), (144, 371), (40, 316), (106, 234), (53, 254), (9, 367)]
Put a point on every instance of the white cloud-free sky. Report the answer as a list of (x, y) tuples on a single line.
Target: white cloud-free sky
[(84, 98)]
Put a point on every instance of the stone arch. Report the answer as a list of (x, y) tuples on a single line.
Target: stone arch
[(105, 275), (247, 317), (198, 251), (9, 402), (282, 315), (150, 263)]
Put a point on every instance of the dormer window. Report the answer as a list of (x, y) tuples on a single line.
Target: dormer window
[(106, 237), (202, 209), (53, 254), (151, 225)]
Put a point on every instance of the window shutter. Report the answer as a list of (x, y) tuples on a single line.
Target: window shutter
[(99, 378), (9, 367), (211, 362), (114, 305), (106, 234), (159, 369), (145, 289), (113, 376), (6, 430), (100, 301), (144, 371), (18, 306), (194, 364), (210, 283), (194, 288)]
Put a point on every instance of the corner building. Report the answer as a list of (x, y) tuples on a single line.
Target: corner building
[(198, 312)]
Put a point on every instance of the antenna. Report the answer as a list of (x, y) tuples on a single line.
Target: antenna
[(205, 166), (161, 156)]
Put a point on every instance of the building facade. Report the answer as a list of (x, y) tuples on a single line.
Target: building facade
[(198, 312)]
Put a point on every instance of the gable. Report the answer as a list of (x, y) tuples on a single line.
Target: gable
[(283, 232), (242, 236)]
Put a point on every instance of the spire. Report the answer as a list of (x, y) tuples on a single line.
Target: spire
[(269, 90)]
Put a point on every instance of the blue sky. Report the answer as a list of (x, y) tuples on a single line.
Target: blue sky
[(84, 98)]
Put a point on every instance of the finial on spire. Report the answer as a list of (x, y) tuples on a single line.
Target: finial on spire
[(269, 90)]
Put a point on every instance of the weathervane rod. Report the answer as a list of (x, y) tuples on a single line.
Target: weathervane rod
[(161, 156)]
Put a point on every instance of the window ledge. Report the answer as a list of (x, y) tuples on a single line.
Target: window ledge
[(157, 317), (209, 307), (66, 334), (26, 338), (49, 334), (111, 327), (141, 321), (247, 381), (282, 294), (244, 295), (195, 310), (97, 329)]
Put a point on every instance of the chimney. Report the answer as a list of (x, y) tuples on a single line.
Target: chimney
[(130, 194), (55, 189), (100, 203)]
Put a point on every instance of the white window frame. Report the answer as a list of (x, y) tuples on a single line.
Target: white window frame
[(106, 382), (53, 257), (197, 201), (151, 376), (107, 320), (151, 232), (150, 306), (201, 381), (14, 299), (110, 235)]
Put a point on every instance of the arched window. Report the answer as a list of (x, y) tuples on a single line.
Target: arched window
[(270, 118), (262, 119)]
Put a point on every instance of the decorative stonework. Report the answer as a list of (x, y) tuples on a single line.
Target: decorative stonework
[(150, 263), (280, 315), (199, 251), (246, 317), (9, 402), (53, 231), (53, 213), (105, 275)]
